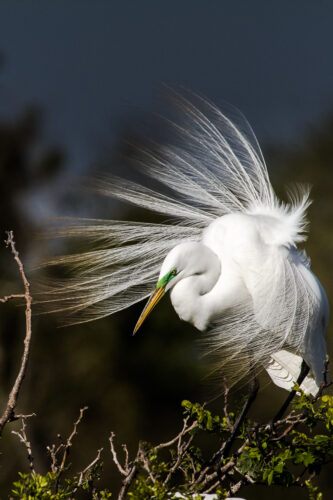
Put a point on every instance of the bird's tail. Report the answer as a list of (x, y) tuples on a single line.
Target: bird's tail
[(284, 368)]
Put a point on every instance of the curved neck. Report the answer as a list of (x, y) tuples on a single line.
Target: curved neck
[(188, 293)]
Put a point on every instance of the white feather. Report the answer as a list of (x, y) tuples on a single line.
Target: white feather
[(215, 189), (284, 369)]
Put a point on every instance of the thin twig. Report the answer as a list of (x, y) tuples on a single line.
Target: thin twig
[(95, 461), (6, 298), (8, 414), (247, 476), (131, 473), (234, 488), (25, 416), (124, 447), (127, 482), (185, 430), (65, 448), (254, 387), (181, 451), (146, 465), (325, 383), (52, 451), (123, 472), (206, 476), (225, 406), (23, 438), (68, 444)]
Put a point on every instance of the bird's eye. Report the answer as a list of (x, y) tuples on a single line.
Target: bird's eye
[(173, 272)]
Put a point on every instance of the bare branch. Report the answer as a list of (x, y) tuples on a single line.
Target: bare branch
[(146, 465), (124, 447), (247, 476), (225, 406), (23, 438), (68, 444), (185, 430), (25, 416), (95, 461), (326, 382), (123, 472), (8, 414), (6, 298), (129, 479), (181, 450), (234, 488), (52, 451)]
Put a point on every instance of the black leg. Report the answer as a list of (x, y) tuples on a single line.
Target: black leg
[(304, 371)]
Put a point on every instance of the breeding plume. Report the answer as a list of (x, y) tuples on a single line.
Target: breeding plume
[(227, 253)]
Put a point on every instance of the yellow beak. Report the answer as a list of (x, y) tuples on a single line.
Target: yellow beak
[(154, 298)]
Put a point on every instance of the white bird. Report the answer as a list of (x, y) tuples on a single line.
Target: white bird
[(228, 253)]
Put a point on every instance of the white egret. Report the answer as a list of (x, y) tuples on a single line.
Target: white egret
[(228, 253)]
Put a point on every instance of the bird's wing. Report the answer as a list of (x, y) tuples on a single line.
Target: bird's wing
[(286, 305), (282, 308), (289, 303)]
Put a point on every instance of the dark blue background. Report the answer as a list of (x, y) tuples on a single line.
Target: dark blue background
[(86, 63)]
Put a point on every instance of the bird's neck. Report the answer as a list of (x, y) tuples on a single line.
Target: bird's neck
[(187, 296)]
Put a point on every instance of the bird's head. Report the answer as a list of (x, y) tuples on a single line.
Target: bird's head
[(185, 259)]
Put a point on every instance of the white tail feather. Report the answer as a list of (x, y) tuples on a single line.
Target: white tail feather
[(284, 369)]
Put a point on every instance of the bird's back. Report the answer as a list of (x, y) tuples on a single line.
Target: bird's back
[(281, 304)]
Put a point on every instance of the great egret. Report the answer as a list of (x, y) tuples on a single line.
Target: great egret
[(227, 254)]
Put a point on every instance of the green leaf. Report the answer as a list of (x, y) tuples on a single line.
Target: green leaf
[(270, 477)]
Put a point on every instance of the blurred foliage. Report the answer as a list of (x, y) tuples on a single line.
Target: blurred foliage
[(25, 164), (131, 385), (31, 486)]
